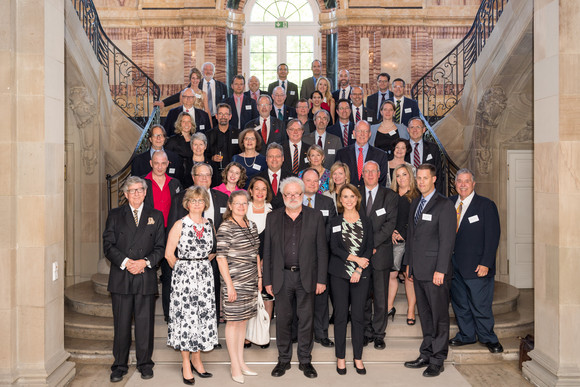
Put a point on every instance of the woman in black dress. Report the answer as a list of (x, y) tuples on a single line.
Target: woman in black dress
[(180, 143)]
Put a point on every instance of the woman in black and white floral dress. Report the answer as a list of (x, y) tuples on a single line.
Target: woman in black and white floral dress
[(192, 322)]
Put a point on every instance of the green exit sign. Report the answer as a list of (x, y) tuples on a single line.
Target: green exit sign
[(281, 24)]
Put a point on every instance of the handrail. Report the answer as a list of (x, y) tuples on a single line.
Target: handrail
[(131, 88), (440, 89), (115, 182)]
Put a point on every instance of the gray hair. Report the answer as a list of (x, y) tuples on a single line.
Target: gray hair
[(265, 96), (198, 136), (292, 180), (198, 165), (275, 145), (372, 162), (208, 63), (322, 111), (131, 180), (466, 170)]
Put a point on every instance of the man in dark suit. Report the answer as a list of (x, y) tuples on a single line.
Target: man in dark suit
[(275, 174), (473, 260), (244, 108), (344, 127), (380, 205), (222, 142), (254, 91), (375, 101), (290, 89), (141, 164), (423, 151), (134, 243), (198, 116), (330, 143), (358, 110), (430, 241), (216, 91), (344, 89), (295, 149), (309, 84), (295, 271), (405, 108), (270, 128), (325, 205), (361, 151), (280, 109)]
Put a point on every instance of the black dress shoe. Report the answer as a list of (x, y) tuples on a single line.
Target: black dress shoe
[(200, 374), (418, 363), (265, 346), (380, 344), (455, 342), (308, 370), (367, 340), (117, 376), (189, 382), (433, 370), (280, 369), (147, 374), (326, 342), (217, 346), (494, 347), (247, 345), (360, 371)]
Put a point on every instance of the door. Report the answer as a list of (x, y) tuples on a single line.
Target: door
[(520, 237)]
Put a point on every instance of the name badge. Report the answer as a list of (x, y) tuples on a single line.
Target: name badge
[(222, 210), (335, 229), (473, 219), (248, 107), (306, 159), (429, 157), (380, 211), (369, 119), (234, 140), (353, 135), (257, 167), (331, 151), (392, 132), (292, 92), (201, 127), (408, 110), (324, 212), (427, 217), (223, 96), (171, 170)]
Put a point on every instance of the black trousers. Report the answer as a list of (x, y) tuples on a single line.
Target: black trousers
[(143, 309), (377, 302), (433, 307), (291, 292), (321, 314), (343, 290)]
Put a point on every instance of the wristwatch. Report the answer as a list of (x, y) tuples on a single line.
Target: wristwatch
[(147, 262)]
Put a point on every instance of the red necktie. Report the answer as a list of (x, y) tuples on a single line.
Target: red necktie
[(265, 132), (360, 162), (357, 115), (255, 96), (345, 135), (416, 158), (275, 184), (320, 141)]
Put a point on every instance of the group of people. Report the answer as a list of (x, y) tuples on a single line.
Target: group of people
[(311, 205)]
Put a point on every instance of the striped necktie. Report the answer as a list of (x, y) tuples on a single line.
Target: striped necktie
[(345, 135), (416, 157), (136, 217), (398, 112), (420, 209), (295, 163)]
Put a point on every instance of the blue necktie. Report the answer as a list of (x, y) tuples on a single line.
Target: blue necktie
[(420, 209)]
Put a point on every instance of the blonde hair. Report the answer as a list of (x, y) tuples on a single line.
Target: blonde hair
[(413, 192), (335, 166)]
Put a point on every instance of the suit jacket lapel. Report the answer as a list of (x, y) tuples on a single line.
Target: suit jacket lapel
[(471, 210), (378, 199), (143, 221)]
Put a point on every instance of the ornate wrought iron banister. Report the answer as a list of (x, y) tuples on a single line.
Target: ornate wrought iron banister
[(439, 90), (131, 89)]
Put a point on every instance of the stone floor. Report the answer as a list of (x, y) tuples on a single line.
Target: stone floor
[(167, 375)]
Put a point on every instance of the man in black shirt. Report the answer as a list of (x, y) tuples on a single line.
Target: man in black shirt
[(222, 142)]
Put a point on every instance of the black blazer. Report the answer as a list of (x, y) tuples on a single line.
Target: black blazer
[(221, 91), (409, 109), (123, 239), (430, 242), (249, 111), (291, 92), (177, 211), (202, 123), (174, 186), (277, 132), (336, 94), (369, 115), (288, 111), (384, 219), (277, 200), (312, 254), (477, 239), (431, 155), (348, 155), (326, 207), (336, 130), (338, 254), (141, 166), (373, 104), (302, 161)]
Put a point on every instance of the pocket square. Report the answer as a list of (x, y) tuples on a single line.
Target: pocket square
[(150, 221)]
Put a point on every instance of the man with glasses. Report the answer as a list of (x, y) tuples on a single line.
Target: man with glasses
[(295, 271), (222, 142), (281, 109), (405, 108), (344, 127), (198, 116), (275, 173), (302, 108), (359, 111), (375, 101), (295, 149), (270, 128), (329, 142), (134, 243)]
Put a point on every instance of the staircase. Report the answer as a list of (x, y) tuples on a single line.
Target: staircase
[(89, 331)]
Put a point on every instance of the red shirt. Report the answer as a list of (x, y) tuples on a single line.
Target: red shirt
[(161, 196)]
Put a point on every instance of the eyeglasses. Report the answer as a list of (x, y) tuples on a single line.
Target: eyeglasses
[(158, 135), (204, 175), (135, 191), (293, 196), (240, 204), (197, 201), (265, 104)]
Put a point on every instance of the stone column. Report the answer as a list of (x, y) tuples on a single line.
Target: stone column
[(32, 194), (556, 359)]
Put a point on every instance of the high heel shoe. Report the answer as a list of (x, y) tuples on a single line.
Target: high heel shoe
[(360, 371), (238, 379), (200, 374), (340, 371), (247, 345), (410, 321), (391, 313), (249, 373), (189, 382)]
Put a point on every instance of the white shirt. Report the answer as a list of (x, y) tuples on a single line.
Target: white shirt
[(204, 88), (466, 203), (259, 219), (420, 149), (209, 213), (292, 150), (191, 112), (372, 192)]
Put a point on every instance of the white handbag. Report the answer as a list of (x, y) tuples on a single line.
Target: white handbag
[(258, 327)]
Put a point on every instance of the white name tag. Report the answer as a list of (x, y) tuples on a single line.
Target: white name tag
[(234, 140), (248, 107), (353, 136), (324, 212), (257, 167), (426, 217), (408, 110), (392, 132), (222, 210), (171, 170), (306, 159), (336, 229), (429, 157), (380, 211), (369, 119), (201, 127), (473, 219), (331, 151), (292, 92)]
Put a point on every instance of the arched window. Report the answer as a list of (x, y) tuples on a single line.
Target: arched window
[(280, 31)]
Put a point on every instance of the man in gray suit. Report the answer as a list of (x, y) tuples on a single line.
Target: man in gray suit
[(295, 270), (329, 142), (309, 84)]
